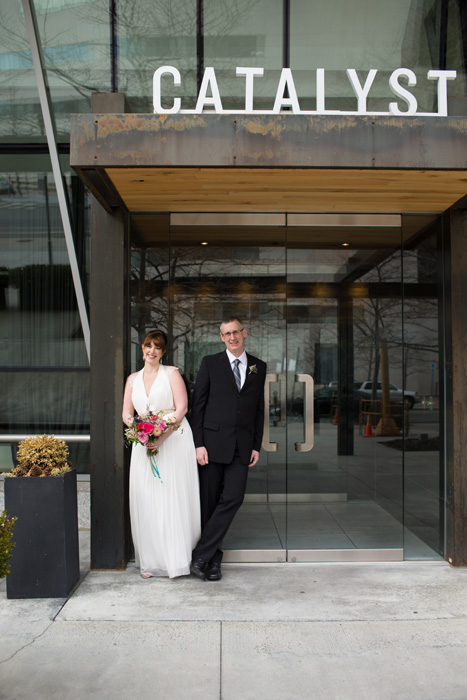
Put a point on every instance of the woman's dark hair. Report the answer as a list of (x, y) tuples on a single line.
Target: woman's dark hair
[(158, 338)]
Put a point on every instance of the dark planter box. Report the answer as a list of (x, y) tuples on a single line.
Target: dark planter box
[(45, 561)]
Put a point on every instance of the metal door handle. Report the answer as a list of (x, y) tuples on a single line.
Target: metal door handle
[(281, 378), (268, 446), (308, 413)]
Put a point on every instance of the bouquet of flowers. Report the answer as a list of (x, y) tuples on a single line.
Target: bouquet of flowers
[(146, 429)]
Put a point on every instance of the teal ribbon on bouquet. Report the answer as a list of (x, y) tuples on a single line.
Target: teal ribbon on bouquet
[(154, 468)]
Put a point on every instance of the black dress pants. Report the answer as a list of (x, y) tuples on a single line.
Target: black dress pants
[(222, 489)]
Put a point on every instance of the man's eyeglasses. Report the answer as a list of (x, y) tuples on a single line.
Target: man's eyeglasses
[(232, 334)]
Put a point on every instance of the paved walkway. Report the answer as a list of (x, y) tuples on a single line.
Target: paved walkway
[(276, 632)]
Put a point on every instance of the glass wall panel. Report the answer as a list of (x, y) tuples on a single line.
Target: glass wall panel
[(423, 449), (20, 112), (366, 34), (456, 54), (151, 34), (44, 371), (244, 33), (75, 37)]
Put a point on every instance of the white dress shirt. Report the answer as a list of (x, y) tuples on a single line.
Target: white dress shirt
[(242, 366)]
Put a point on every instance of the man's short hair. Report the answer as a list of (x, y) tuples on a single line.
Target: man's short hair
[(230, 319)]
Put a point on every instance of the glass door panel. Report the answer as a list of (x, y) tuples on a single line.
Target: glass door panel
[(344, 316), (186, 283)]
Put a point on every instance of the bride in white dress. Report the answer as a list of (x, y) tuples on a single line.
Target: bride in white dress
[(165, 511)]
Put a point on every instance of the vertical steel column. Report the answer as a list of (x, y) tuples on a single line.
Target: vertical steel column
[(110, 533), (456, 394), (286, 34), (345, 414), (110, 324), (445, 367), (113, 45), (44, 96), (199, 42), (443, 34)]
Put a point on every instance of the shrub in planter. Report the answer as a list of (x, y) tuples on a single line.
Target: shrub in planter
[(45, 563), (6, 533), (43, 455)]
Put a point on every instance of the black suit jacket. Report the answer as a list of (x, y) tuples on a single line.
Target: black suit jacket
[(222, 416)]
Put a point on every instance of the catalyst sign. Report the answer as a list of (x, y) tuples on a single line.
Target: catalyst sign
[(210, 97)]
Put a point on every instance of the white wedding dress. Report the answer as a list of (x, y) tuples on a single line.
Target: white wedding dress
[(165, 512)]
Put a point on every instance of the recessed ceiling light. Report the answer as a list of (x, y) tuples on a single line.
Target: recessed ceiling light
[(345, 245), (204, 242)]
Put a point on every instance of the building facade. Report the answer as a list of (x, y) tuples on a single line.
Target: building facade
[(299, 164)]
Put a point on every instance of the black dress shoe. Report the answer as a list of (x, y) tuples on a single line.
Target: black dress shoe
[(198, 568), (213, 572)]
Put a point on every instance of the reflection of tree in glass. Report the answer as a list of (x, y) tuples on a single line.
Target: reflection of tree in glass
[(379, 315), (157, 32), (187, 294)]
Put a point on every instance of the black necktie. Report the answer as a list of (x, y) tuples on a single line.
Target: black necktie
[(236, 371)]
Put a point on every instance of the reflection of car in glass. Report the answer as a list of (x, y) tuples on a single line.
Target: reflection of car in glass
[(395, 394), (6, 187), (326, 400)]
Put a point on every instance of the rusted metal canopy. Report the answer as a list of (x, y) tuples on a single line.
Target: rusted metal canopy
[(281, 141), (288, 162)]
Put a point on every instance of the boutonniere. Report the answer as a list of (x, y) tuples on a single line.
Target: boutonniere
[(253, 370)]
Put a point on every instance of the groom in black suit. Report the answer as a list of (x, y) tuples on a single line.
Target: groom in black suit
[(227, 420)]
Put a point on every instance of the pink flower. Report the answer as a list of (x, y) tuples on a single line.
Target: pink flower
[(145, 428), (157, 431), (142, 437)]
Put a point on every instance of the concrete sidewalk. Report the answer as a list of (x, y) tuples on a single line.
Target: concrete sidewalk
[(266, 631)]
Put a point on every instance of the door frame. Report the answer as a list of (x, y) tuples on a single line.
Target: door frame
[(431, 152)]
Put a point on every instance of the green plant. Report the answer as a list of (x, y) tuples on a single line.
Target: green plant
[(41, 455), (6, 533)]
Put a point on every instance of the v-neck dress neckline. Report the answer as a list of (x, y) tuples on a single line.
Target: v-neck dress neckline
[(148, 393)]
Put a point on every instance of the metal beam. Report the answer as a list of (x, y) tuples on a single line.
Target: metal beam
[(285, 141), (66, 438)]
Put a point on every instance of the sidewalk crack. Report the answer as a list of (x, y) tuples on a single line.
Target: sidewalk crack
[(25, 646)]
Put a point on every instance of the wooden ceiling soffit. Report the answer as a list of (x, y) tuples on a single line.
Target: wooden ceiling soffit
[(288, 190)]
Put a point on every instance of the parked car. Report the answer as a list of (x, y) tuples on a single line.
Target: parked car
[(395, 394)]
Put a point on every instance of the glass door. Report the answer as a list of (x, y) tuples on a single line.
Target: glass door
[(193, 271), (344, 326), (322, 299)]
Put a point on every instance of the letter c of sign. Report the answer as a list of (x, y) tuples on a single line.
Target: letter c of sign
[(156, 89)]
